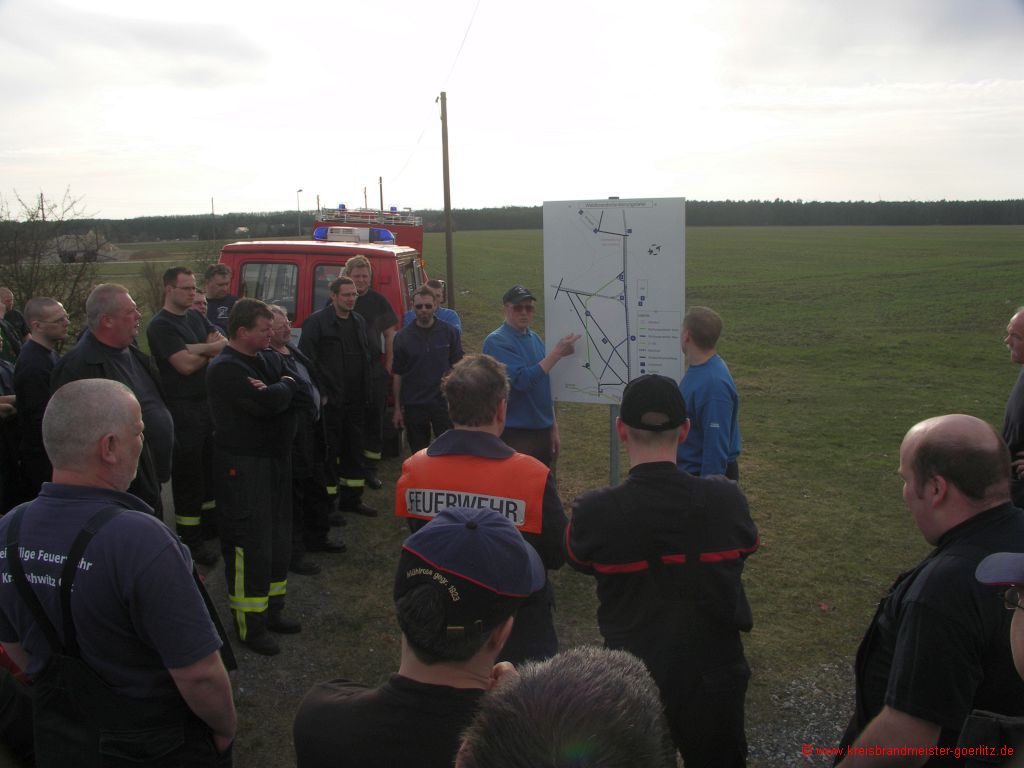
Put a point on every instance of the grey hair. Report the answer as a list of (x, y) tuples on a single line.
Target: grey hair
[(103, 300), (79, 414)]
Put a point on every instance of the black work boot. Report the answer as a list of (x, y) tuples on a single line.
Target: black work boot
[(281, 624), (257, 639), (373, 482)]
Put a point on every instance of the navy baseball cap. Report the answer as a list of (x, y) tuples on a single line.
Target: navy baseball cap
[(476, 559), (652, 402), (517, 294), (1001, 569)]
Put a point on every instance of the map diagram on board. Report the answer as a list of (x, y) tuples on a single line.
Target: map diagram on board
[(614, 272)]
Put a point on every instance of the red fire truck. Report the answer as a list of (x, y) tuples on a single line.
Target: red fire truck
[(369, 225), (296, 273)]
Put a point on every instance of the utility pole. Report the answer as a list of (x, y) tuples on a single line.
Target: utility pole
[(380, 183), (449, 252)]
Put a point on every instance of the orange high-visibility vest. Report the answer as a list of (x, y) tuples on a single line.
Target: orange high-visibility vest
[(513, 487)]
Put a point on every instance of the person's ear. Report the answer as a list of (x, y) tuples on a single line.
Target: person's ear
[(500, 634), (621, 431)]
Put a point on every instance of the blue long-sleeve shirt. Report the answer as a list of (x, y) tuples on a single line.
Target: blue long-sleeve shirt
[(714, 409), (529, 401), (450, 316)]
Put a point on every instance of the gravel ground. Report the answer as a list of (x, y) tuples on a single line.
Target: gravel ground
[(810, 710)]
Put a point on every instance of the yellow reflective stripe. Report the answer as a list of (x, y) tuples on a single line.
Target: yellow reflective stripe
[(239, 571), (372, 454), (278, 588), (238, 602), (357, 482), (208, 506), (332, 490), (182, 520), (248, 604)]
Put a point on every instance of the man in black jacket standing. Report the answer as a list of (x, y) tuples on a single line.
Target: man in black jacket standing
[(938, 646), (107, 351), (335, 339), (311, 506), (254, 423), (667, 550)]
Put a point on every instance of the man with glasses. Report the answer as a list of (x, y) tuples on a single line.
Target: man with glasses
[(530, 426), (424, 352), (939, 644), (450, 316), (48, 326), (182, 342)]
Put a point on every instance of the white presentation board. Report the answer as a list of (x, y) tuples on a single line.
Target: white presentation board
[(614, 272)]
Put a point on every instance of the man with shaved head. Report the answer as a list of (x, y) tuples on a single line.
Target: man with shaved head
[(99, 604), (48, 326), (938, 646)]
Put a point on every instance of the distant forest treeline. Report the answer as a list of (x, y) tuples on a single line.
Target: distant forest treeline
[(699, 213)]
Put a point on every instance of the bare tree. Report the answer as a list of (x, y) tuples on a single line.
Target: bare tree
[(31, 239)]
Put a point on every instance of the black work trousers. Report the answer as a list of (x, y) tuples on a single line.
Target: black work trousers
[(702, 679), (80, 721), (254, 503), (311, 506), (192, 428), (345, 449), (420, 420), (373, 419)]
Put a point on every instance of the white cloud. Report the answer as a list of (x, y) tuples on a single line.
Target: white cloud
[(153, 108)]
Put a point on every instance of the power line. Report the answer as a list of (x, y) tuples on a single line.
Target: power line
[(444, 85)]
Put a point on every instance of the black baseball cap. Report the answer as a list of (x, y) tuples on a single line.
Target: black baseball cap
[(476, 559), (516, 294), (652, 402)]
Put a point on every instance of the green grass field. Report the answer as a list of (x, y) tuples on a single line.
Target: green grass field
[(839, 339)]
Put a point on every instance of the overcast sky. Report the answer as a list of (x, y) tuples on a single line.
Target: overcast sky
[(155, 108)]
